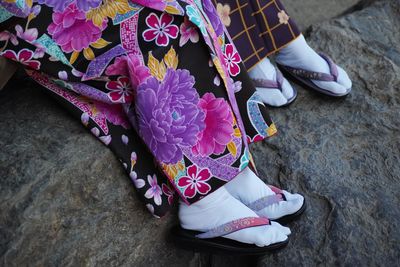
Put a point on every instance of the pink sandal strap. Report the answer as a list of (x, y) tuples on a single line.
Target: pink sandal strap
[(234, 226)]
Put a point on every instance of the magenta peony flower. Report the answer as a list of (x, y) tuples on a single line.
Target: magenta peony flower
[(72, 31), (131, 66), (138, 72), (168, 114), (219, 126), (113, 113)]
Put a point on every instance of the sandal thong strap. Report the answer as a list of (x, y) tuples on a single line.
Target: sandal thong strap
[(275, 189), (270, 84), (234, 226), (263, 202), (315, 75)]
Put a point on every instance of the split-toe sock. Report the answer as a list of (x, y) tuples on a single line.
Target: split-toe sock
[(219, 208), (298, 54), (248, 188), (276, 97)]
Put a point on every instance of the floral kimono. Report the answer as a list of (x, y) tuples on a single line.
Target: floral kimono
[(158, 82)]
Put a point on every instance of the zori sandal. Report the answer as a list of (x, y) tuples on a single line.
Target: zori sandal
[(266, 84), (213, 242), (263, 202), (305, 77)]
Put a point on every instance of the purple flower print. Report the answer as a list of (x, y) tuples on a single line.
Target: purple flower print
[(28, 35), (168, 114), (72, 31), (59, 5), (139, 183), (212, 14), (154, 191)]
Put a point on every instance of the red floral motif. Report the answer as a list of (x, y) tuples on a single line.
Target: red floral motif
[(232, 60), (161, 29), (121, 90), (195, 181), (168, 192), (24, 57)]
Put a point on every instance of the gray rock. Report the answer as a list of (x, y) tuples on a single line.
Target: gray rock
[(309, 12), (66, 201), (344, 154)]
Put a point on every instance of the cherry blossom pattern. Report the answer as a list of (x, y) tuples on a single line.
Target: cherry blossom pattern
[(195, 181), (24, 57), (223, 13), (188, 32), (232, 60), (283, 17), (154, 191), (160, 29), (168, 192), (121, 90)]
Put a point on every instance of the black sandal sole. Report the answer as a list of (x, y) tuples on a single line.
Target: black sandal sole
[(186, 239), (291, 217)]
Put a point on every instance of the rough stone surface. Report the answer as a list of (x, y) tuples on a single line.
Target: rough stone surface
[(65, 200), (308, 12)]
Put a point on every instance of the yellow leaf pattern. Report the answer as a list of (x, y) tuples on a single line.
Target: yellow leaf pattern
[(232, 148), (157, 68), (74, 56), (172, 10), (171, 59), (88, 53), (109, 8), (220, 70), (236, 133), (101, 43)]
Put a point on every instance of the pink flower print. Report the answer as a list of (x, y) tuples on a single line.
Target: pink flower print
[(219, 126), (168, 192), (131, 66), (121, 91), (28, 35), (188, 32), (154, 191), (119, 67), (24, 56), (161, 29), (138, 72), (6, 35), (195, 181), (72, 31), (232, 59)]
